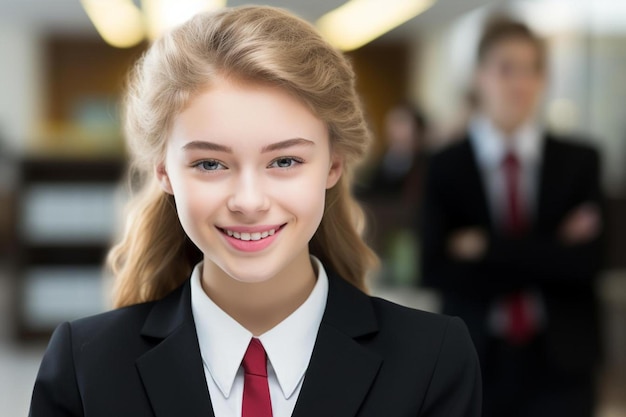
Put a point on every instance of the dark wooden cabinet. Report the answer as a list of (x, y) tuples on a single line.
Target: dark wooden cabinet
[(64, 220)]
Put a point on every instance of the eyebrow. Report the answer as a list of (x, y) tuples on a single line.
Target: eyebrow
[(212, 146), (287, 144), (207, 146)]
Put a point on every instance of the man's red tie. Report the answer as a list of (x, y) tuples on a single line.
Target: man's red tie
[(256, 391), (515, 216), (520, 327)]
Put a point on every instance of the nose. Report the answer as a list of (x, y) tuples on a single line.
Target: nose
[(248, 194)]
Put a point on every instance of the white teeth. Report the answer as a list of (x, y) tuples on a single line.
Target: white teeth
[(250, 236)]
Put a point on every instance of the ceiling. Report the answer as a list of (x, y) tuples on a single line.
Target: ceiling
[(68, 15)]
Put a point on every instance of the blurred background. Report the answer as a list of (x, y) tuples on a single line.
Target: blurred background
[(62, 153)]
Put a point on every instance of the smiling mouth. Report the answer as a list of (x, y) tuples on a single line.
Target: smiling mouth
[(247, 236)]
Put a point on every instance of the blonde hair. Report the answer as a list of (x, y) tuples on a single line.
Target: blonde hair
[(257, 44)]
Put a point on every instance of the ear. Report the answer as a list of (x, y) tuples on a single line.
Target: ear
[(335, 171), (163, 178)]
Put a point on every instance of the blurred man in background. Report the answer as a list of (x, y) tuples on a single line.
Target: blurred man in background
[(512, 225)]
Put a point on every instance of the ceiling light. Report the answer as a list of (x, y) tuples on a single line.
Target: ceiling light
[(162, 15), (122, 24), (119, 22), (358, 22)]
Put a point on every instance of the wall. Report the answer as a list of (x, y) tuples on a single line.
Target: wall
[(21, 74)]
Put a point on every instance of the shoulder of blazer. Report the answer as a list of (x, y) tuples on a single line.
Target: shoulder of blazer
[(359, 314), (125, 324), (459, 150), (381, 350), (455, 160), (570, 148)]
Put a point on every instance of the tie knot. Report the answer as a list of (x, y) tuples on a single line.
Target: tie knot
[(511, 161), (255, 359)]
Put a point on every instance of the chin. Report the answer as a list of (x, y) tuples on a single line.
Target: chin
[(251, 274), (511, 121)]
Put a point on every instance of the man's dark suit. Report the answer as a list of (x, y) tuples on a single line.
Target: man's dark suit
[(371, 358), (455, 199)]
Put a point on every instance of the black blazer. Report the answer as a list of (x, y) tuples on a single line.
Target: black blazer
[(371, 358), (455, 198)]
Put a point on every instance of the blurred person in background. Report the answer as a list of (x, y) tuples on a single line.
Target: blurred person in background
[(398, 171), (392, 193), (512, 227)]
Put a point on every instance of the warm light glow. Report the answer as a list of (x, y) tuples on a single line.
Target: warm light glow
[(563, 115), (122, 24), (358, 22), (163, 15), (119, 22)]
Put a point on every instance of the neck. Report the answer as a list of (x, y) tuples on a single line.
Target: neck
[(261, 306), (508, 130)]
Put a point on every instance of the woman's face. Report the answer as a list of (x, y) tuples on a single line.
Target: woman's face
[(249, 166)]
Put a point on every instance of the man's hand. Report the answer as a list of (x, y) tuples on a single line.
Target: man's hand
[(581, 225), (468, 244)]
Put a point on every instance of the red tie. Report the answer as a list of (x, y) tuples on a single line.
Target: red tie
[(515, 220), (521, 326), (256, 391)]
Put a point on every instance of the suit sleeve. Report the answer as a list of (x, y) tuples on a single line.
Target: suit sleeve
[(56, 390), (535, 260), (439, 270), (455, 388), (545, 259)]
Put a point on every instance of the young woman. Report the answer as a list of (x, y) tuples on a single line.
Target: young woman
[(240, 276)]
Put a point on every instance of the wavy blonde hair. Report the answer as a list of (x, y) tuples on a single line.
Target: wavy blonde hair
[(257, 44)]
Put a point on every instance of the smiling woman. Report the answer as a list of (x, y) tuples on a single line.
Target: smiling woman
[(241, 271)]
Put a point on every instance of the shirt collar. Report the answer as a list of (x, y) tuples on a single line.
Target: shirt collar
[(289, 345), (490, 146)]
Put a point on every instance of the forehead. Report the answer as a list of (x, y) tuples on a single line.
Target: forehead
[(237, 113), (514, 48)]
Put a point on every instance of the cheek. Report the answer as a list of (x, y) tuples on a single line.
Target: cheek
[(533, 88), (492, 87), (503, 91), (303, 198), (503, 85), (194, 204)]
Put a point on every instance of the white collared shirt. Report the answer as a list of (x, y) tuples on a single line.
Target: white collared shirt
[(491, 147), (289, 345)]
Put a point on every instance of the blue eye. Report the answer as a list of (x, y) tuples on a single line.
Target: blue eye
[(210, 165), (285, 162)]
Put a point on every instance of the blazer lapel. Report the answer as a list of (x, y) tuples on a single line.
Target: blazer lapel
[(172, 371), (341, 369), (473, 186)]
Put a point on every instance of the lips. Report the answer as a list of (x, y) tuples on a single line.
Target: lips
[(251, 239)]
